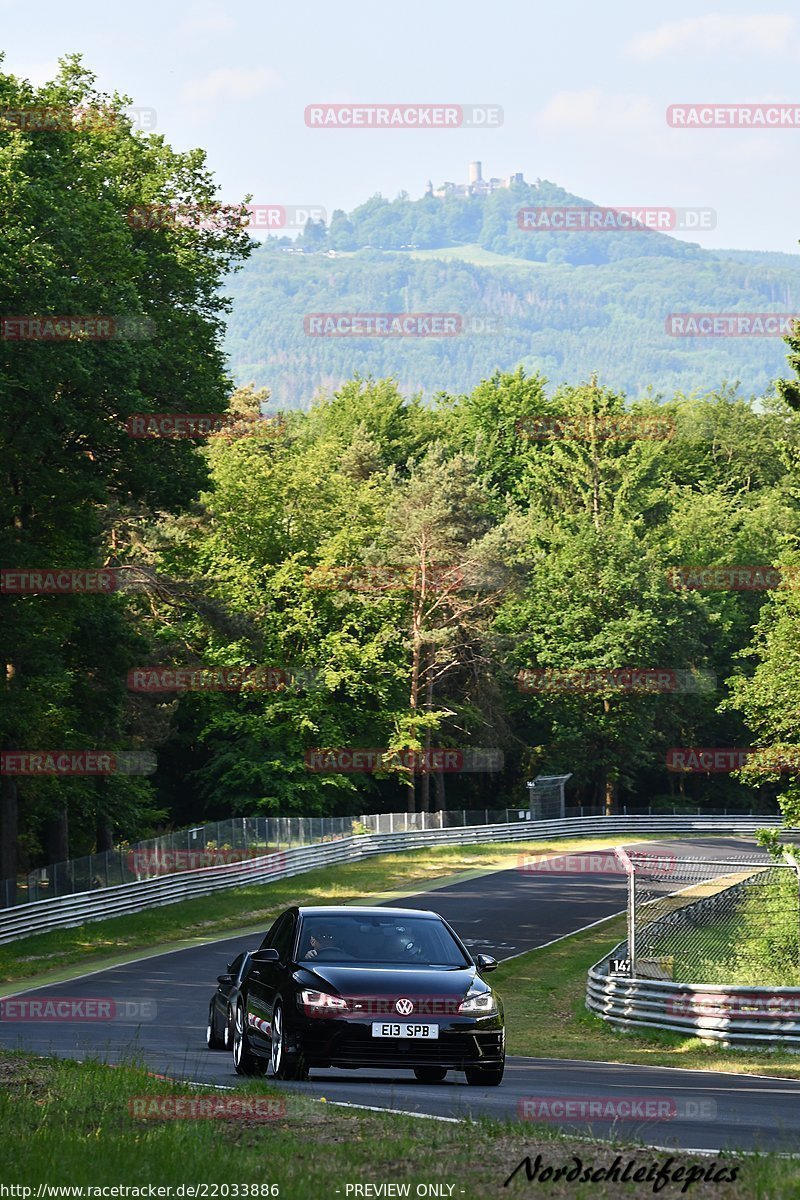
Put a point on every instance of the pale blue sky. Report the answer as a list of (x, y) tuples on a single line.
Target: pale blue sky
[(584, 89)]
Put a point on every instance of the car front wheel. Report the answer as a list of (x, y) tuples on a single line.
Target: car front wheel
[(430, 1074), (244, 1061), (485, 1076), (213, 1040), (285, 1065)]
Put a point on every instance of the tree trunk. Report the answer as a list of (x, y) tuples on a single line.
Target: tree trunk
[(610, 796), (9, 810), (104, 833), (425, 782), (425, 800), (438, 783), (413, 700), (9, 826), (57, 838)]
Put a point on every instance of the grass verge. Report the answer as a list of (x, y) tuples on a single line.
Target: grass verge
[(72, 1124)]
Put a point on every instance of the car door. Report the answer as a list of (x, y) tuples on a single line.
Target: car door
[(264, 979), (227, 982)]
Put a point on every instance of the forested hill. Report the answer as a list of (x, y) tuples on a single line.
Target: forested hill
[(563, 303)]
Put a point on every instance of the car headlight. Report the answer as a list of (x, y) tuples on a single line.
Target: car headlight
[(481, 1004), (322, 1004)]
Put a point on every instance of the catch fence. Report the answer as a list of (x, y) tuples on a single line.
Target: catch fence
[(732, 919)]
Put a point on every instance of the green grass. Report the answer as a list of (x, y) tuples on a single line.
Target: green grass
[(71, 1124), (227, 912)]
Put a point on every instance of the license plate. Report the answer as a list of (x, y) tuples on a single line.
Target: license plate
[(403, 1030)]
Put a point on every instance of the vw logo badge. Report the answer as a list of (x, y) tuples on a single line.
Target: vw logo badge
[(404, 1007)]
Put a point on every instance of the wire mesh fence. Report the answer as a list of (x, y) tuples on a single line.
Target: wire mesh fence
[(733, 920), (220, 842)]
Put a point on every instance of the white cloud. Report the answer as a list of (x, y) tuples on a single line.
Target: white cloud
[(595, 109), (716, 32), (230, 83), (39, 73)]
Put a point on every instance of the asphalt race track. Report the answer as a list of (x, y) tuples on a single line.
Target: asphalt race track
[(505, 913)]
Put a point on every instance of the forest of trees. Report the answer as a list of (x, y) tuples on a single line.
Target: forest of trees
[(393, 566), (562, 318)]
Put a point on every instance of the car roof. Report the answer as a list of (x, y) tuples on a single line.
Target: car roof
[(352, 910)]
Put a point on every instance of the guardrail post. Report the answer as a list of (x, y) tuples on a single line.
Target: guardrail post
[(792, 861)]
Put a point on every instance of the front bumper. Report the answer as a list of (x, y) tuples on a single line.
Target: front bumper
[(461, 1043)]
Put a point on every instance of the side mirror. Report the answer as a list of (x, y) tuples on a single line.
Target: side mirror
[(265, 956), (227, 978), (485, 962)]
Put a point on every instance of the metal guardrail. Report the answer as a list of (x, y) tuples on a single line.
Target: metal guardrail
[(67, 911), (719, 1013)]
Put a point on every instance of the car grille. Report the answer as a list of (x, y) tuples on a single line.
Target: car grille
[(453, 1048)]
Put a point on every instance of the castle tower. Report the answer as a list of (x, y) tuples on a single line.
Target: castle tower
[(475, 172), (429, 188)]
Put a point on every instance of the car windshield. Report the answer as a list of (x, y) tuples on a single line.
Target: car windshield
[(380, 941)]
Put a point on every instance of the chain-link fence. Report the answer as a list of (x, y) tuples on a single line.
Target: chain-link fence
[(234, 840), (733, 919)]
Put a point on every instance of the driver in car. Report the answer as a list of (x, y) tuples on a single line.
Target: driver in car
[(319, 938)]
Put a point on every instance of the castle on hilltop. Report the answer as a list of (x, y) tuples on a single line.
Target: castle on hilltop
[(477, 186)]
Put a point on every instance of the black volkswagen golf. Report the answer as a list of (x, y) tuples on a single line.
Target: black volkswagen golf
[(368, 987)]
